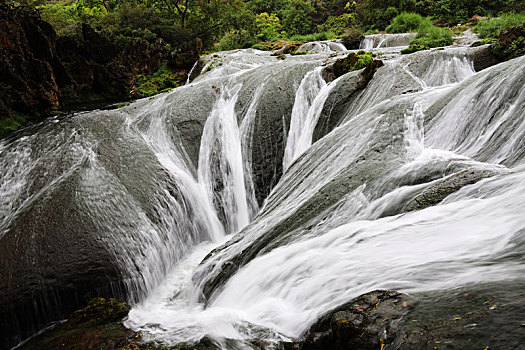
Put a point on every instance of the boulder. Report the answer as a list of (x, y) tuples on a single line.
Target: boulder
[(371, 321), (439, 191)]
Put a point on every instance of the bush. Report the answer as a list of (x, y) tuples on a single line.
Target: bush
[(268, 27), (314, 37), (162, 80), (492, 27), (406, 22), (338, 24), (235, 39), (297, 17), (259, 47)]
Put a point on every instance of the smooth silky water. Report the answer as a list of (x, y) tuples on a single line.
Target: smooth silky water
[(331, 228)]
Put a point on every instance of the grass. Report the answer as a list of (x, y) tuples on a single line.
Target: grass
[(492, 27), (313, 37), (429, 36), (406, 22)]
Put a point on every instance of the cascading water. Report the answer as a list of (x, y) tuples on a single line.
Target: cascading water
[(164, 182)]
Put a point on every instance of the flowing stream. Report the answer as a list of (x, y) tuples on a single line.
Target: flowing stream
[(228, 219)]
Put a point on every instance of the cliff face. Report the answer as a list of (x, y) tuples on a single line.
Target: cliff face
[(40, 72), (28, 62)]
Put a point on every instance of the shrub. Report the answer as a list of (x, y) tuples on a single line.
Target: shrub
[(492, 27), (433, 36), (338, 24), (406, 22), (162, 80), (297, 17), (314, 37), (268, 26), (235, 39), (259, 47)]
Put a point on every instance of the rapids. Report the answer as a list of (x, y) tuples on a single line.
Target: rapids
[(247, 203)]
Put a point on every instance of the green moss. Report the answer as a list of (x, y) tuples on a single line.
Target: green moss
[(414, 48), (11, 124), (506, 51), (259, 47), (162, 80), (299, 53)]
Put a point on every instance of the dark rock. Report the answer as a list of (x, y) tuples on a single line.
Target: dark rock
[(470, 317), (483, 58), (475, 20), (352, 38), (511, 43), (51, 263), (453, 183), (444, 23), (370, 321), (99, 326), (27, 49), (186, 55)]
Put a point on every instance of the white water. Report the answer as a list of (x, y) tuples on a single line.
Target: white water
[(309, 102), (352, 251), (437, 125)]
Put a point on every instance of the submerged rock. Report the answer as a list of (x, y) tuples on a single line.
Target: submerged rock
[(453, 183)]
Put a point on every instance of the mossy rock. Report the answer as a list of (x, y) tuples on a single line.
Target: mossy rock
[(352, 62), (99, 311)]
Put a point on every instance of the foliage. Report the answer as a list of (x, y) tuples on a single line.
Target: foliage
[(259, 47), (162, 80), (268, 27), (314, 37), (11, 124), (506, 51), (492, 27), (235, 39), (338, 24), (297, 17), (405, 22), (431, 36)]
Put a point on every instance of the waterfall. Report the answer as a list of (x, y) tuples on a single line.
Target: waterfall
[(309, 102), (221, 168), (162, 195)]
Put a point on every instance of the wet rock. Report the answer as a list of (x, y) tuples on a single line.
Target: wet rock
[(475, 20), (483, 57), (51, 263), (438, 192), (97, 326), (370, 321), (352, 38), (444, 23)]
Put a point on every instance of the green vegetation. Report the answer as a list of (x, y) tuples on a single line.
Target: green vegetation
[(314, 37), (405, 23), (12, 123), (160, 81), (492, 27), (233, 24), (431, 36), (428, 36)]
